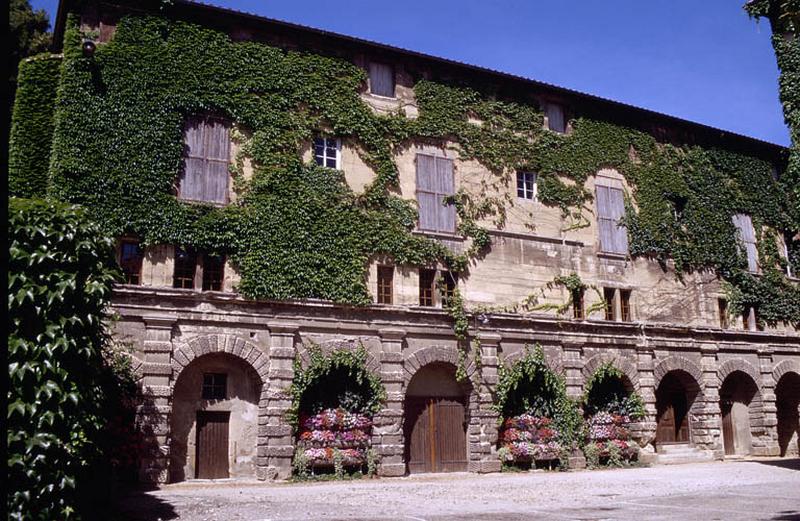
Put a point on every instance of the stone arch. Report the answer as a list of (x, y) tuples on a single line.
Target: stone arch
[(741, 406), (348, 344), (554, 364), (786, 366), (427, 355), (198, 346), (431, 358), (677, 363), (737, 364), (247, 369), (621, 363)]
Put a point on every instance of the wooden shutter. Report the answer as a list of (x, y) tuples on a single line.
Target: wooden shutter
[(426, 192), (610, 209), (205, 173), (747, 236), (446, 214), (555, 118), (381, 79)]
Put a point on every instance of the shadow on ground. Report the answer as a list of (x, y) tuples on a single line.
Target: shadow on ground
[(138, 505), (788, 515), (791, 464)]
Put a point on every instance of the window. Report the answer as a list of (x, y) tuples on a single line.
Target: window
[(577, 304), (130, 260), (192, 268), (610, 298), (213, 272), (556, 121), (204, 176), (215, 386), (434, 183), (722, 308), (526, 185), (450, 283), (610, 209), (625, 305), (328, 152), (185, 268), (747, 237), (785, 254), (385, 284), (381, 79), (427, 286)]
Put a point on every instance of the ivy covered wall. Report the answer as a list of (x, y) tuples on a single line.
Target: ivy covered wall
[(32, 126), (298, 231)]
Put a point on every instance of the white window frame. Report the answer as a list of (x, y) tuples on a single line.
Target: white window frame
[(326, 142), (528, 195)]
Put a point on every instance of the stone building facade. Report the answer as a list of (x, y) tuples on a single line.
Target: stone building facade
[(664, 334)]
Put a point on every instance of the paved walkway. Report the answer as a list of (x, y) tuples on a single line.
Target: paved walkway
[(732, 490)]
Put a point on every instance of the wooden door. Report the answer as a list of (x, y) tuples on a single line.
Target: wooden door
[(436, 435), (727, 428), (212, 444), (673, 423)]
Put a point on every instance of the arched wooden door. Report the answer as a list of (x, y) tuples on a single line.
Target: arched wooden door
[(437, 435), (435, 423), (674, 398)]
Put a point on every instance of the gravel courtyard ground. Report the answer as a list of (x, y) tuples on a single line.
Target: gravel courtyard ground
[(732, 490)]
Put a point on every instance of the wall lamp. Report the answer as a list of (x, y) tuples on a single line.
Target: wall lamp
[(88, 47)]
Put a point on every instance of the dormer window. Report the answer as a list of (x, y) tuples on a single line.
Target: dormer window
[(556, 118), (328, 152), (204, 176), (381, 79)]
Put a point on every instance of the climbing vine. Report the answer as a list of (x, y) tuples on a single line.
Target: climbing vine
[(337, 380), (298, 231), (32, 126), (605, 391), (529, 386)]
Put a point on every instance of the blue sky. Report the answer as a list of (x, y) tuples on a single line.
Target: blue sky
[(702, 60)]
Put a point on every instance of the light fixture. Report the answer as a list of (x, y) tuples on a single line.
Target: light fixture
[(88, 47)]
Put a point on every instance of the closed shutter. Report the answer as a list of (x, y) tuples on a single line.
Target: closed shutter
[(555, 118), (434, 183), (747, 236), (610, 209), (205, 173), (381, 79)]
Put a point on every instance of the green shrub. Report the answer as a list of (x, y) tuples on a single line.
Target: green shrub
[(59, 286)]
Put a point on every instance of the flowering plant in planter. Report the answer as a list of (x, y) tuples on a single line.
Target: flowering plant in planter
[(528, 438), (609, 439), (335, 436)]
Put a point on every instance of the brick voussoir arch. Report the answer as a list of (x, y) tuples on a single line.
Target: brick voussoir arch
[(198, 346), (677, 362), (427, 355), (738, 364), (621, 363), (786, 366)]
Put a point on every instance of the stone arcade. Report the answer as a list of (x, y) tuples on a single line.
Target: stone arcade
[(215, 366)]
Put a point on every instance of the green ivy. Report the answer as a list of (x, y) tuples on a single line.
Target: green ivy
[(605, 391), (298, 231), (530, 386), (32, 126), (340, 379), (60, 271)]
